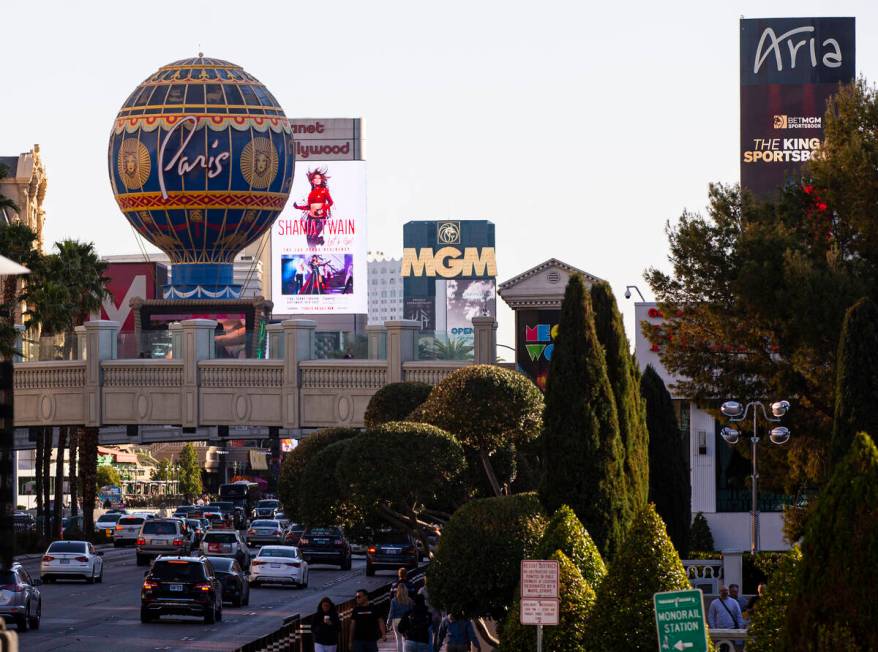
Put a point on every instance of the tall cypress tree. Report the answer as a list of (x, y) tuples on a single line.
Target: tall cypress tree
[(669, 486), (582, 449), (856, 387), (625, 381)]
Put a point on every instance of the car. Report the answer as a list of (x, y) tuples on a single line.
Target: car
[(284, 521), (71, 526), (227, 509), (326, 545), (127, 530), (391, 551), (293, 534), (24, 522), (72, 559), (162, 537), (217, 520), (182, 586), (106, 524), (236, 583), (266, 508), (279, 565), (20, 598), (198, 527), (226, 543), (264, 531), (116, 511)]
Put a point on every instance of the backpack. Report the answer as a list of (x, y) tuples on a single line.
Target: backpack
[(415, 625)]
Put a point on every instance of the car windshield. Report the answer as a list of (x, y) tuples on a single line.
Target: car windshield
[(267, 503), (392, 537), (67, 546), (220, 537), (221, 564), (278, 552), (160, 528), (132, 520), (324, 532), (266, 524), (8, 579), (175, 570), (194, 522), (110, 518)]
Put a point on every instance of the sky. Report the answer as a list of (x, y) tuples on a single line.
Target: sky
[(578, 128)]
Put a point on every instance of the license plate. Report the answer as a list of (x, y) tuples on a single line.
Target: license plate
[(321, 542), (275, 565), (65, 561), (176, 587), (157, 542), (392, 551)]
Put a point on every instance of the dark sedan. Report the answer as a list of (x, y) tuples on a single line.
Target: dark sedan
[(391, 551), (236, 585), (325, 545)]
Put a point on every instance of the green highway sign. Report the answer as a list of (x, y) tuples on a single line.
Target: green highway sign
[(679, 619)]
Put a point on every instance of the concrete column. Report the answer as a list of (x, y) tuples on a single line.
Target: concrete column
[(275, 341), (402, 338), (99, 345), (485, 340), (19, 343), (81, 340), (298, 336), (377, 336), (197, 344), (733, 567)]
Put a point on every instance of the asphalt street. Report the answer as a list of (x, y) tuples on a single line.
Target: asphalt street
[(106, 617)]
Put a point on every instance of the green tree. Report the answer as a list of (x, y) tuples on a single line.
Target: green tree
[(296, 460), (566, 533), (190, 471), (622, 619), (582, 451), (700, 536), (163, 471), (669, 486), (17, 242), (323, 500), (486, 408), (394, 402), (625, 381), (107, 476), (770, 613), (477, 567), (856, 387), (577, 600), (833, 594)]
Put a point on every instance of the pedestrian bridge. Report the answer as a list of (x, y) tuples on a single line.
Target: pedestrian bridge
[(194, 396)]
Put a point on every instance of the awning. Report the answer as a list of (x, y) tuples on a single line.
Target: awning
[(258, 461)]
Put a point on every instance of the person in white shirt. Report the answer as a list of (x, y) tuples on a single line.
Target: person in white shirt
[(724, 612)]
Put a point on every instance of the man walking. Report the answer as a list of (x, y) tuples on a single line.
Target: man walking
[(368, 626), (724, 612)]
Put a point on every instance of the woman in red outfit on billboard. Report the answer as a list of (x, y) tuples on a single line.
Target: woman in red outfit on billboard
[(318, 208)]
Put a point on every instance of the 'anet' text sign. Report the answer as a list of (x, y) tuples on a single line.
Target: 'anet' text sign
[(679, 619), (539, 578)]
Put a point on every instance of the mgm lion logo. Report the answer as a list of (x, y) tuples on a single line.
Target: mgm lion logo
[(259, 163), (133, 163), (448, 233)]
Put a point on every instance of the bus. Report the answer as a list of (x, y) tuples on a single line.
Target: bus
[(243, 493)]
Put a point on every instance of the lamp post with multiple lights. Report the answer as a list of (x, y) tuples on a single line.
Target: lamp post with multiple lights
[(779, 435)]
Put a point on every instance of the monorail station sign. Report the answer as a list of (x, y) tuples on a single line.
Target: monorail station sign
[(679, 619)]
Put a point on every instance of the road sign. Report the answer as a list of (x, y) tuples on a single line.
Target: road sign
[(539, 611), (679, 620), (539, 578)]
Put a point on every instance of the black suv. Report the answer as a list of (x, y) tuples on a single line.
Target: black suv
[(391, 551), (183, 586), (325, 545)]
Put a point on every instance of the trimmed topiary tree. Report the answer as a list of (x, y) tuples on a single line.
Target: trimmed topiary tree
[(669, 485), (323, 500), (577, 599), (486, 408), (296, 460), (625, 381), (566, 533), (834, 594), (700, 537), (770, 612), (583, 456), (622, 619), (477, 567), (856, 387), (395, 402)]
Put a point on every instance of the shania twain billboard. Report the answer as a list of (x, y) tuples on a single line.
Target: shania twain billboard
[(789, 69), (318, 243)]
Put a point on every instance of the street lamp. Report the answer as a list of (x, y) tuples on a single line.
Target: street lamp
[(779, 435)]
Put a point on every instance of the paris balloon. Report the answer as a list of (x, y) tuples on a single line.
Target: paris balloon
[(201, 163)]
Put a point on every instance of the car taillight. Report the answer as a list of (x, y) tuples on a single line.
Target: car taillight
[(81, 558), (149, 585), (256, 562), (304, 542), (141, 541), (48, 558), (372, 550), (204, 586), (118, 527), (177, 542), (251, 531)]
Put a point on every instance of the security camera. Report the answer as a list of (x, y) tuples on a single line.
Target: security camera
[(627, 293)]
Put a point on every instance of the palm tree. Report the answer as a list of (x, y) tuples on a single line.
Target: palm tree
[(17, 243), (453, 349)]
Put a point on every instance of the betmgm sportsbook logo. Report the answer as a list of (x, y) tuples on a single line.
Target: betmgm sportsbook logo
[(796, 122)]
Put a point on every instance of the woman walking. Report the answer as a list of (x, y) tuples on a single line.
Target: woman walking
[(400, 605), (325, 626)]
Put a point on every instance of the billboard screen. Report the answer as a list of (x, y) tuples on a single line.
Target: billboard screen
[(127, 281), (535, 332), (789, 68), (318, 244)]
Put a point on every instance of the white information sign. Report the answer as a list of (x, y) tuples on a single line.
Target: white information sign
[(539, 578), (539, 611)]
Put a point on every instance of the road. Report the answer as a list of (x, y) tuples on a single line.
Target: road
[(106, 617)]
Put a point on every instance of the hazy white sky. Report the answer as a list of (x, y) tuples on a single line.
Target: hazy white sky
[(577, 128)]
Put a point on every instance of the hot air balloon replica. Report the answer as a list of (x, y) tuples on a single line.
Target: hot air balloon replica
[(201, 163)]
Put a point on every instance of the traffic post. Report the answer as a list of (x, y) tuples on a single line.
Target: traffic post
[(679, 621), (539, 595)]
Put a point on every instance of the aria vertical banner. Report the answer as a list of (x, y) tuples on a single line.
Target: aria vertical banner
[(789, 69)]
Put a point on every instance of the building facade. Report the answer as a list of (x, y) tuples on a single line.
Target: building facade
[(25, 184), (385, 288)]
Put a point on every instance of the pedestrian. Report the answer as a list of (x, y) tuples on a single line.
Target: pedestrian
[(435, 615), (751, 603), (724, 612), (368, 627), (733, 594), (459, 632), (400, 605), (325, 626), (416, 625), (402, 577)]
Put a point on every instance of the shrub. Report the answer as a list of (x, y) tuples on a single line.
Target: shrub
[(577, 600), (322, 501), (700, 537), (477, 566), (622, 618), (566, 533), (769, 614), (394, 402)]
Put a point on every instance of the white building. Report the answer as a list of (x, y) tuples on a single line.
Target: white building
[(385, 288)]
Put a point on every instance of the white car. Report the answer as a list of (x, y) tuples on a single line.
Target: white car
[(279, 565), (72, 559)]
